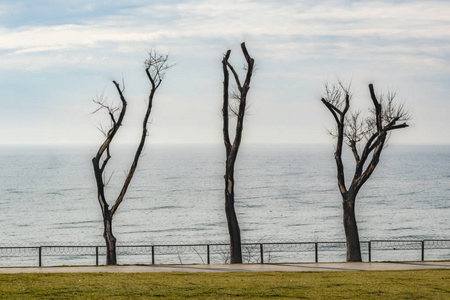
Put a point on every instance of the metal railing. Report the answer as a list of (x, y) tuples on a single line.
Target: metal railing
[(276, 252)]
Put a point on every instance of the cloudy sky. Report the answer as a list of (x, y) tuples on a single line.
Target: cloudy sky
[(56, 56)]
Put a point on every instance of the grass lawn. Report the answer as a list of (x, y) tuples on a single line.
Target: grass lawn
[(422, 284)]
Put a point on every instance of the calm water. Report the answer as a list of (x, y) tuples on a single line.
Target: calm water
[(284, 193)]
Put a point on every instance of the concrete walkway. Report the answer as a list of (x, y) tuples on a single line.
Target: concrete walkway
[(311, 267)]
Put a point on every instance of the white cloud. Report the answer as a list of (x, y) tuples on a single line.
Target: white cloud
[(297, 45), (219, 19), (68, 37), (411, 33)]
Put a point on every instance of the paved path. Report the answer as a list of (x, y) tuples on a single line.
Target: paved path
[(311, 267)]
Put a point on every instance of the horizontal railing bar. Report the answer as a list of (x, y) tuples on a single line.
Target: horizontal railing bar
[(221, 244), (436, 240), (25, 247), (399, 241)]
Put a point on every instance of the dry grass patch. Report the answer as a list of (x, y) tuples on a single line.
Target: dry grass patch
[(421, 284)]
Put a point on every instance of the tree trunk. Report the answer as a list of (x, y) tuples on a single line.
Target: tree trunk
[(110, 241), (233, 225), (351, 230)]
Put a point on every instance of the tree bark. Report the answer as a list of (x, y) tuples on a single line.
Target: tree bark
[(233, 224), (351, 230), (111, 258)]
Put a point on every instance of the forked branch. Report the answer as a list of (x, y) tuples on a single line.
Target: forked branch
[(155, 67), (355, 129)]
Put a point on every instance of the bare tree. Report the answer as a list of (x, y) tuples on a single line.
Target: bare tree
[(354, 130), (155, 68), (240, 95)]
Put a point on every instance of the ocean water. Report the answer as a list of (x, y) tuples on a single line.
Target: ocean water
[(283, 193)]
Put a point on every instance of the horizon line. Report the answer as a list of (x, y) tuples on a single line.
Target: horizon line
[(201, 143)]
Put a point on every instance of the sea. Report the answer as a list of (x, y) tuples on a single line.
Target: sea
[(284, 193)]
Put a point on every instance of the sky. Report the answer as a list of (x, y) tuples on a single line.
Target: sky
[(57, 56)]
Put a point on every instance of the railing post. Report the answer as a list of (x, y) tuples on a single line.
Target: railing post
[(370, 251), (261, 250), (40, 256), (96, 255), (153, 255), (316, 250), (207, 255), (423, 250)]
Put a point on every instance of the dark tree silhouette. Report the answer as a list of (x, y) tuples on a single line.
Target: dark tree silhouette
[(353, 130), (155, 67), (240, 94)]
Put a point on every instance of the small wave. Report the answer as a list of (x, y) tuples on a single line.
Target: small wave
[(324, 191), (298, 225), (136, 231), (54, 193), (259, 187), (408, 193), (167, 207), (172, 178), (401, 228), (253, 205), (72, 225), (15, 191), (71, 189), (178, 230)]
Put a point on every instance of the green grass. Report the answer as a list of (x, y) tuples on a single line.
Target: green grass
[(423, 284)]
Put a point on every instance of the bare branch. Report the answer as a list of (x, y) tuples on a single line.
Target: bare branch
[(156, 66), (102, 130), (356, 128), (236, 77), (109, 179), (378, 111), (249, 69), (225, 107), (106, 160), (334, 111), (393, 112), (336, 96)]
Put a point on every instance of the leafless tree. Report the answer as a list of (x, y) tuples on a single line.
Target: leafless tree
[(366, 138), (155, 68), (240, 95)]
